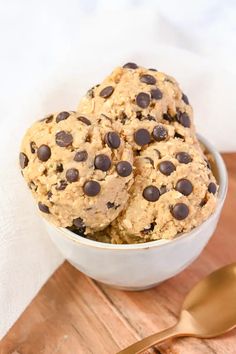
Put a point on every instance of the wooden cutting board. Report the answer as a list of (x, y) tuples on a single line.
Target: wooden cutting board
[(72, 314)]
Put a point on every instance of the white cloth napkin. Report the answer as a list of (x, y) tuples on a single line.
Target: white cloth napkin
[(52, 52)]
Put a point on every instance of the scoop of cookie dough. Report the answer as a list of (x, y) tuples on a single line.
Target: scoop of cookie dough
[(136, 98), (174, 191), (79, 165), (80, 173)]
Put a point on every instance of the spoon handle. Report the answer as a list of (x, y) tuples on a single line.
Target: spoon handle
[(150, 341)]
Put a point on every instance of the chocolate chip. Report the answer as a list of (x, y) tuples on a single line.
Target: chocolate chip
[(148, 79), (62, 116), (150, 160), (152, 69), (79, 224), (23, 159), (43, 208), (168, 117), (47, 119), (102, 162), (166, 167), (72, 175), (32, 147), (81, 156), (180, 211), (184, 186), (183, 119), (142, 137), (49, 195), (106, 92), (130, 66), (179, 136), (84, 120), (163, 190), (150, 118), (62, 185), (159, 133), (44, 153), (59, 168), (212, 188), (143, 100), (151, 193), (185, 98), (110, 205), (91, 188), (124, 168), (183, 157), (112, 139), (64, 139), (156, 94)]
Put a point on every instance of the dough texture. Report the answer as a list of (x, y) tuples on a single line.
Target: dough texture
[(161, 101), (155, 219), (66, 201), (127, 167)]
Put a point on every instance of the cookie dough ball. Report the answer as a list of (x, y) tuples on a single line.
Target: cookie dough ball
[(80, 173), (134, 97), (174, 191)]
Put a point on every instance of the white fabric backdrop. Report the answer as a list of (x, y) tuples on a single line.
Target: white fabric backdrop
[(52, 51)]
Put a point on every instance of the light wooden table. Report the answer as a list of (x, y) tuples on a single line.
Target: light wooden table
[(72, 314)]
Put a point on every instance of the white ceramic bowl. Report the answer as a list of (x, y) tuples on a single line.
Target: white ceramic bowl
[(141, 266)]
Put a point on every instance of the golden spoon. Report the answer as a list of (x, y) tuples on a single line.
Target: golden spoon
[(209, 310)]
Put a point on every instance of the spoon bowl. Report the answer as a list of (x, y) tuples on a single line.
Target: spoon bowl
[(208, 310), (212, 303)]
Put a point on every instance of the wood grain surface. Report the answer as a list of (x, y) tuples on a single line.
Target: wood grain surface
[(72, 314)]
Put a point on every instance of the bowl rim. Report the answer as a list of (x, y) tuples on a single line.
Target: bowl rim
[(223, 186)]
